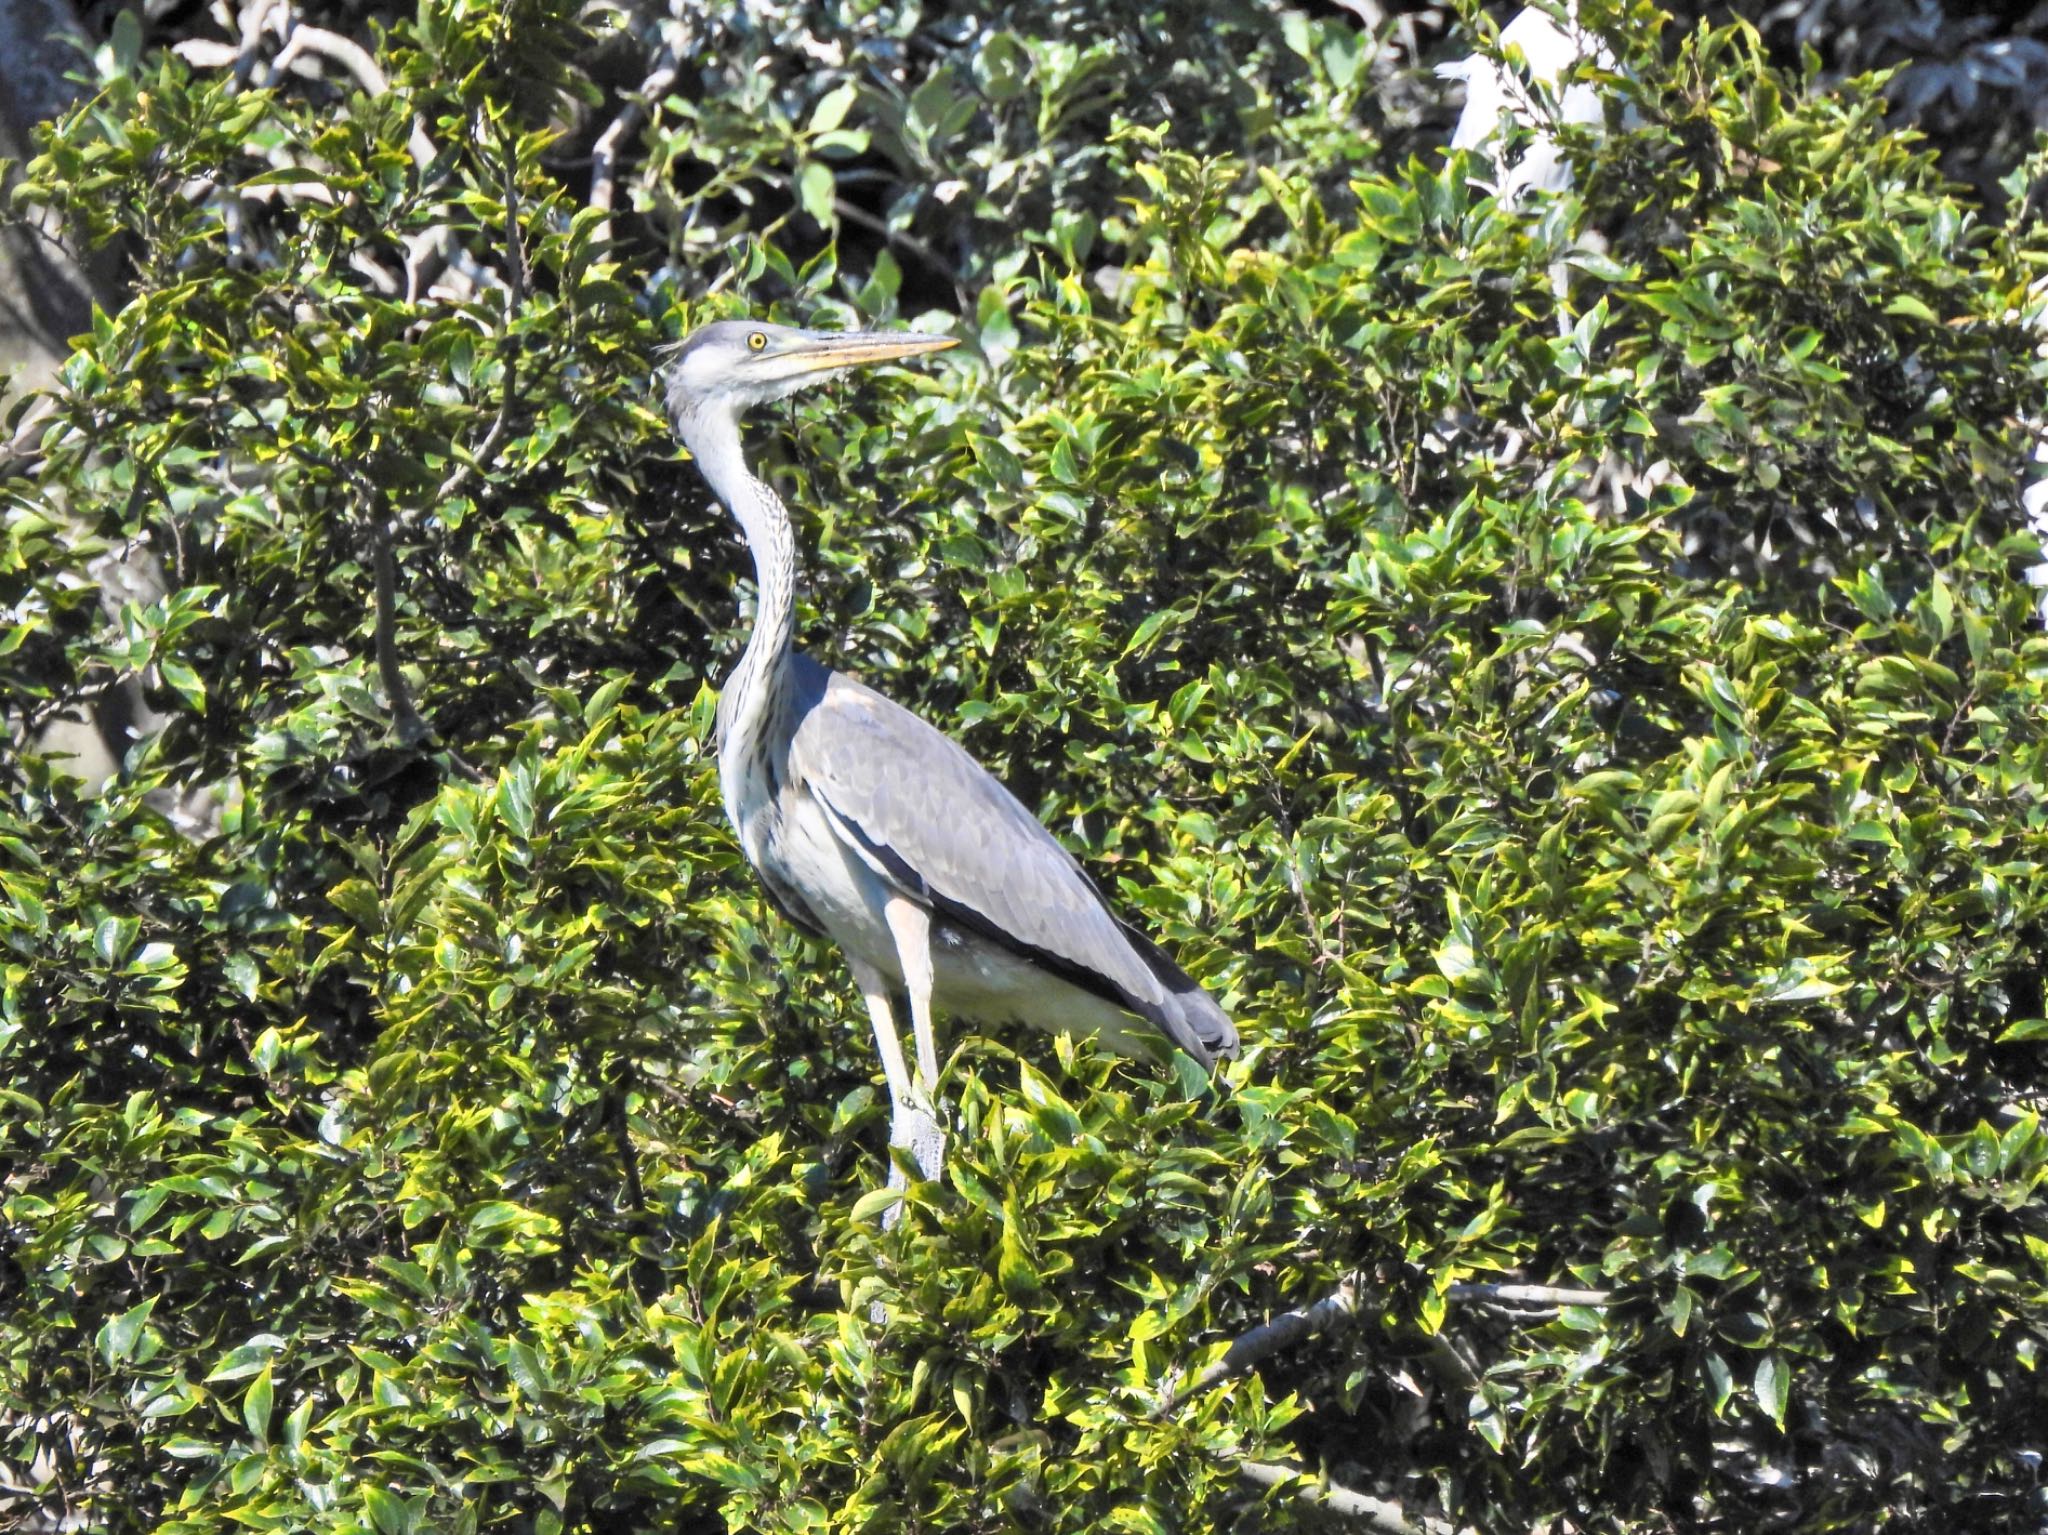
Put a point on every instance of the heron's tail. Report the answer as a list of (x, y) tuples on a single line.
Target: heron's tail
[(1199, 1026), (1189, 1015)]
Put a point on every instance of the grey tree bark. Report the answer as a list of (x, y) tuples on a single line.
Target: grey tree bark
[(45, 296)]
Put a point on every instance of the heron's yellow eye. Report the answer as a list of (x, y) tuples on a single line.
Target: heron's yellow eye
[(756, 341)]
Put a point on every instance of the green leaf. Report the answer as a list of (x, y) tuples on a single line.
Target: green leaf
[(388, 1512), (1773, 1386), (871, 1204), (245, 1360), (186, 682), (117, 1338), (113, 937), (1018, 1275), (256, 1404), (1457, 961), (816, 191), (832, 108)]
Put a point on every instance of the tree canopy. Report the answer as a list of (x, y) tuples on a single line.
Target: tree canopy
[(1564, 676)]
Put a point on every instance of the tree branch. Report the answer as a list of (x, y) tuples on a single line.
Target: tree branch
[(1377, 1513), (1542, 1296), (1339, 1306), (1284, 1331), (421, 249), (349, 54), (406, 722), (250, 24), (405, 718), (604, 155), (904, 239), (515, 296)]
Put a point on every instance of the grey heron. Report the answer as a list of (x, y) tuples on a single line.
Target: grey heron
[(869, 827)]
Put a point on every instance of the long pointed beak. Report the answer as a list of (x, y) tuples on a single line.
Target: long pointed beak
[(848, 349)]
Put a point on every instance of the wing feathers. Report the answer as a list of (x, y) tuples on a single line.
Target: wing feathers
[(928, 818)]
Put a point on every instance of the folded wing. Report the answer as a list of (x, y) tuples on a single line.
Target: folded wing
[(938, 826)]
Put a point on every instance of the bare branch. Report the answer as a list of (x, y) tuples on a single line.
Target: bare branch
[(349, 54), (205, 53), (1377, 1513), (1284, 1331), (1340, 1305), (1539, 1295), (427, 268), (383, 281), (604, 155), (250, 23)]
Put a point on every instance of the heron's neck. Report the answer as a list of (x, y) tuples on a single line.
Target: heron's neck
[(713, 439)]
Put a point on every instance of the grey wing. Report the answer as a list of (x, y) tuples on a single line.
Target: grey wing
[(936, 824)]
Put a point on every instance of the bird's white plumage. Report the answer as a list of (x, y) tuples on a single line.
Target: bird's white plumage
[(1496, 96)]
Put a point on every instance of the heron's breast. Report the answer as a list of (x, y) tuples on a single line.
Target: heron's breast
[(798, 847)]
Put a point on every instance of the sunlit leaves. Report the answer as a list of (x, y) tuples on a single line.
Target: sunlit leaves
[(1577, 708)]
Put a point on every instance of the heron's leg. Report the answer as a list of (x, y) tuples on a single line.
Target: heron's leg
[(874, 990), (911, 1124), (911, 926)]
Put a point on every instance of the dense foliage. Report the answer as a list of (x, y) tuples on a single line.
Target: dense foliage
[(1564, 679)]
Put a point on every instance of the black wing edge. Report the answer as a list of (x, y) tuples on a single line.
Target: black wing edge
[(1189, 1016), (1198, 1017)]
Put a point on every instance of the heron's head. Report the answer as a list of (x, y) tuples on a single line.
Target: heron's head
[(734, 364)]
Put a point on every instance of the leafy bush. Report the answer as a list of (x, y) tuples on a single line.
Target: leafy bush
[(1588, 728)]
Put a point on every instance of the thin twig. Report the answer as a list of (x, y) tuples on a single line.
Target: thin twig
[(1378, 1513), (515, 297), (730, 1108), (405, 718), (1294, 880), (508, 180), (406, 722), (1411, 821), (908, 241)]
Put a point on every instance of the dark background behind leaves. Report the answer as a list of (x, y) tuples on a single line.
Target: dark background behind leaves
[(1566, 683)]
